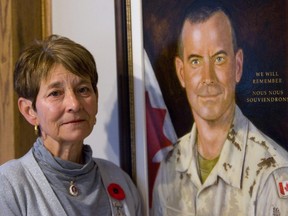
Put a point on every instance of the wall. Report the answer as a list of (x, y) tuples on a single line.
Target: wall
[(91, 23), (20, 23)]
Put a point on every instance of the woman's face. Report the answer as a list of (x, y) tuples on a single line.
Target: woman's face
[(66, 107)]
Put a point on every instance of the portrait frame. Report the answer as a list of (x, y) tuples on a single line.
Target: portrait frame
[(246, 89), (131, 93)]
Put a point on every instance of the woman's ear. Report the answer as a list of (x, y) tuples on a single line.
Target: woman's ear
[(26, 109)]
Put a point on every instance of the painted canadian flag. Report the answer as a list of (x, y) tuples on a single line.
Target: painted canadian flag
[(160, 131), (283, 188)]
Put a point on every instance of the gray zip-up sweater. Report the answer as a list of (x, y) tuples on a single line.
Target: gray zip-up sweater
[(25, 190)]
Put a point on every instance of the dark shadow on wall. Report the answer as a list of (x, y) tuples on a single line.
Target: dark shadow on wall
[(111, 128)]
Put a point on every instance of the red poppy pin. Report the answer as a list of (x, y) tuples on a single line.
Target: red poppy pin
[(116, 192)]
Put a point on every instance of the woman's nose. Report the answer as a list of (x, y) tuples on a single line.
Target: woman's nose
[(72, 102)]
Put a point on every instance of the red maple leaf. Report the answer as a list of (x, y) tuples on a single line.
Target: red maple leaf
[(156, 140)]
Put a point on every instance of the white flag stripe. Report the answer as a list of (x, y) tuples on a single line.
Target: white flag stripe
[(156, 99)]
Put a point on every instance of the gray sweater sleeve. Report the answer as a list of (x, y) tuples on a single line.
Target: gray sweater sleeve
[(25, 190), (9, 202)]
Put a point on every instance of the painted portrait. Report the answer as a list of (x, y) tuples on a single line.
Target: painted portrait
[(261, 31)]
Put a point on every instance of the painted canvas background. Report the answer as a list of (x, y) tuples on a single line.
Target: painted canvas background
[(262, 32)]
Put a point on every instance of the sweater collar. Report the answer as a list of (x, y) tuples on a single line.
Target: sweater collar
[(43, 156)]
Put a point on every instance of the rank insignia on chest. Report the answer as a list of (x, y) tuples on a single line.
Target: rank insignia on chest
[(283, 188)]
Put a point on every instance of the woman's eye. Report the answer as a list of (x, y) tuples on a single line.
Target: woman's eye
[(84, 90), (55, 93)]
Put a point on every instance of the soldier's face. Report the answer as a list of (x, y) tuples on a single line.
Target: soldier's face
[(210, 68)]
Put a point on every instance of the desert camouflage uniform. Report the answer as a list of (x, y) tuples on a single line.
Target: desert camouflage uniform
[(248, 179)]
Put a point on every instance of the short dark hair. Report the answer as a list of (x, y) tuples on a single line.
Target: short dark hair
[(37, 60), (200, 11)]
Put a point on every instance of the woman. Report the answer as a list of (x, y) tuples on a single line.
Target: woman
[(56, 80)]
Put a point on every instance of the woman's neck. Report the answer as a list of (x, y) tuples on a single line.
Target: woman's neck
[(65, 151)]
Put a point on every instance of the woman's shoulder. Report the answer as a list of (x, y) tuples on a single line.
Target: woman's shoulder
[(11, 173), (11, 168), (107, 166), (14, 167), (106, 162)]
